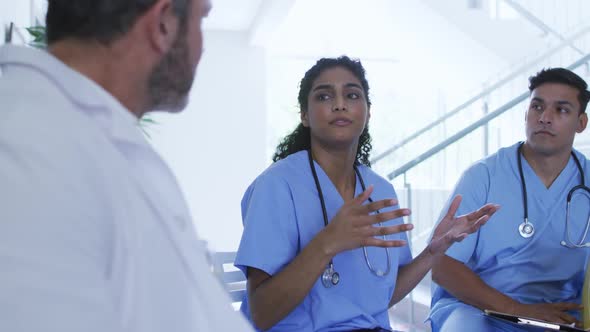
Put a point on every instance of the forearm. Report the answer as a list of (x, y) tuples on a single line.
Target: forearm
[(280, 294), (410, 275), (465, 285)]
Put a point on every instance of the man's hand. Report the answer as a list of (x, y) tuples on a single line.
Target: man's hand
[(551, 312)]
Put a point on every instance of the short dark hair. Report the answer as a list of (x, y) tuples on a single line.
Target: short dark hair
[(563, 76), (300, 138), (100, 20)]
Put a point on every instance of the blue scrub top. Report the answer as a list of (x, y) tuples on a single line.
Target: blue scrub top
[(281, 213), (533, 270)]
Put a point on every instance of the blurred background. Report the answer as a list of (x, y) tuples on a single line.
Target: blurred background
[(448, 84)]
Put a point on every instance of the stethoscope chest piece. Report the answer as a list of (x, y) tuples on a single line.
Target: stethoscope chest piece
[(330, 277), (526, 229)]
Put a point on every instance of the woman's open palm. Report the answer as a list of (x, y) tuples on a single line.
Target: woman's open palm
[(453, 229)]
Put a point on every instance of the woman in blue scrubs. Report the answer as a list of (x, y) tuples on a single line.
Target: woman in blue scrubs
[(324, 245)]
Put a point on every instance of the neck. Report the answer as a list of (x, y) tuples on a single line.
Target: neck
[(338, 165), (546, 166), (109, 67)]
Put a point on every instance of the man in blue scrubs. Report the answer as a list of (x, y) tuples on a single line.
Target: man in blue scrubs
[(522, 270)]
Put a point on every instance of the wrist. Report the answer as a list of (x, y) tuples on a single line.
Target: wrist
[(514, 307), (427, 256), (325, 245), (435, 250)]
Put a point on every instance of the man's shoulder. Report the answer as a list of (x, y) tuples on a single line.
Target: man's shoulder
[(496, 163), (50, 133), (49, 120), (582, 158)]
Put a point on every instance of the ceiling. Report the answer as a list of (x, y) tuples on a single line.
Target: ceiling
[(510, 39), (232, 15)]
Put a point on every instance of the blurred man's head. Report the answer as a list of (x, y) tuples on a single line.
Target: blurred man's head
[(165, 36)]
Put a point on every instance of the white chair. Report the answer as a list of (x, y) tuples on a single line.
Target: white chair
[(233, 279)]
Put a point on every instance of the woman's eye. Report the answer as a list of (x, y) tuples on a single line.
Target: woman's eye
[(322, 96)]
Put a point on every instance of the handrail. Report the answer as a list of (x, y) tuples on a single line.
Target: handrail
[(485, 119), (539, 23), (480, 95)]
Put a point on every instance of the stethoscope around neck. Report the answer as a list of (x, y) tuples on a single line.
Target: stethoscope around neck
[(527, 229), (330, 277)]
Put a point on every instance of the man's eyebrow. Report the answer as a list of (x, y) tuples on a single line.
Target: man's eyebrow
[(564, 102)]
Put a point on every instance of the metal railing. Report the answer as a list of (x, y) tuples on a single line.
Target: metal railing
[(481, 122), (519, 71)]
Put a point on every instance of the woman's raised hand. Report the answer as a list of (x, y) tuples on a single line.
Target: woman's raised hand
[(354, 225), (453, 229)]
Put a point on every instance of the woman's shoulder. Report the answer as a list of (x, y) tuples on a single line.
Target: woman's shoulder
[(285, 170), (372, 177)]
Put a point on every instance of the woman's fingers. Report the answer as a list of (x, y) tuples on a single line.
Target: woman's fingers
[(472, 227), (383, 217), (375, 242), (362, 197), (378, 205), (454, 206), (388, 230), (488, 209)]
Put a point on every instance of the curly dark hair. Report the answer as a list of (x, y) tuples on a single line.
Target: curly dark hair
[(300, 138)]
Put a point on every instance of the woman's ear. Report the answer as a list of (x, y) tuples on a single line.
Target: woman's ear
[(304, 119)]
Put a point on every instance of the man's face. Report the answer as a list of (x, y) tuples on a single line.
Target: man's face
[(171, 80), (553, 118)]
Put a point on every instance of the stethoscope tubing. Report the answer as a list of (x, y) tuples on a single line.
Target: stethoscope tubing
[(526, 229), (328, 276)]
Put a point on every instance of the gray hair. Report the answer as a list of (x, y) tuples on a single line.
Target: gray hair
[(100, 20)]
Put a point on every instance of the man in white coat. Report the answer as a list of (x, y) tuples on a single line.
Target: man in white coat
[(94, 232)]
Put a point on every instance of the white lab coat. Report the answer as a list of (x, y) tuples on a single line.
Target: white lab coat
[(94, 232)]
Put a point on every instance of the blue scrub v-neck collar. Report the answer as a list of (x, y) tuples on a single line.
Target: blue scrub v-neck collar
[(330, 192), (537, 188)]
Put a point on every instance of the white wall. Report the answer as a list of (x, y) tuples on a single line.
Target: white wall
[(18, 12), (419, 66), (216, 147)]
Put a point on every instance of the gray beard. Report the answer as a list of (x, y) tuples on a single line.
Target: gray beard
[(171, 80)]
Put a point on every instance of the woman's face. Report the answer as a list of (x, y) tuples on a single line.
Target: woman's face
[(337, 110)]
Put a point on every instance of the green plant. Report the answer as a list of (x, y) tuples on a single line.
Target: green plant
[(38, 34)]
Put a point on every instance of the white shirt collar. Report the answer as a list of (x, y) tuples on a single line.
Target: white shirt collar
[(91, 97)]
